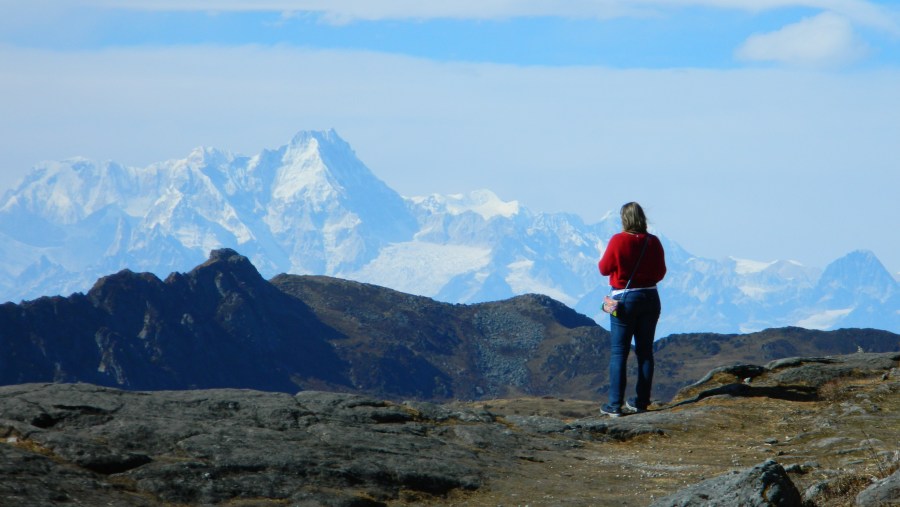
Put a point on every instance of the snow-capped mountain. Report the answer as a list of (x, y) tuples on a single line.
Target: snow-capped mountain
[(312, 207)]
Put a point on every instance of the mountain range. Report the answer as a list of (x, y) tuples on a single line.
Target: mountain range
[(312, 207), (222, 325)]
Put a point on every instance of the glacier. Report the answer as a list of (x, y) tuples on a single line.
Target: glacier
[(312, 207)]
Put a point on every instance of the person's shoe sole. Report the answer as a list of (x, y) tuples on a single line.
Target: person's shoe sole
[(610, 414)]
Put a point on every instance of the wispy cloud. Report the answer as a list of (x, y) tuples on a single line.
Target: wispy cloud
[(350, 10), (824, 40), (857, 11), (833, 33)]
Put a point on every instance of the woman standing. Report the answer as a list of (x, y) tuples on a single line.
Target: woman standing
[(635, 262)]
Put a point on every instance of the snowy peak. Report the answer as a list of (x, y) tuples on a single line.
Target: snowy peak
[(775, 271), (204, 157), (857, 273), (856, 266), (793, 271), (318, 172), (854, 291), (303, 175), (328, 156), (325, 137), (67, 191), (747, 266), (482, 202), (311, 206)]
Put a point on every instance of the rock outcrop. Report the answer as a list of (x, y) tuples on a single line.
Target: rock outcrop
[(766, 484), (90, 445), (884, 491), (795, 378)]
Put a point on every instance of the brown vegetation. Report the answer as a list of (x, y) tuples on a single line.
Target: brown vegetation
[(841, 441)]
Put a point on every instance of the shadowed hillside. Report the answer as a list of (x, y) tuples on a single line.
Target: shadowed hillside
[(529, 344), (222, 325)]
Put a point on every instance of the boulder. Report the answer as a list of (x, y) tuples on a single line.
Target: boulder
[(882, 492), (766, 484), (91, 444)]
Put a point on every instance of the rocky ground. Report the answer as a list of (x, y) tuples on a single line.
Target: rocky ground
[(831, 423), (827, 425)]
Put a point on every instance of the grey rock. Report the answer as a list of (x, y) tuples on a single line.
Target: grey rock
[(32, 478), (792, 362), (86, 444), (831, 442), (747, 372), (801, 468), (91, 445), (795, 379), (538, 424), (766, 484), (795, 468), (443, 413), (818, 493), (816, 371), (881, 493), (621, 429)]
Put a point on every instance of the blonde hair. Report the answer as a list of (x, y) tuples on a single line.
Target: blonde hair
[(633, 218)]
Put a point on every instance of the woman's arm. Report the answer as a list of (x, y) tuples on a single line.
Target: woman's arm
[(608, 261)]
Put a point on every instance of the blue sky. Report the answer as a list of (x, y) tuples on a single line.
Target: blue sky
[(760, 129)]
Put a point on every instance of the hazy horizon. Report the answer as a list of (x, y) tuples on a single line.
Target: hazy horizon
[(756, 132)]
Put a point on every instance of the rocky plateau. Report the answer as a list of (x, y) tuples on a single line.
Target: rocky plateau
[(800, 431)]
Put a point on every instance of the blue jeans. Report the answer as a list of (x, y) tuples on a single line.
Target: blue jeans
[(636, 317)]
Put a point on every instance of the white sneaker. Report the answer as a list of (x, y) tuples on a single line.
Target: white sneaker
[(631, 409)]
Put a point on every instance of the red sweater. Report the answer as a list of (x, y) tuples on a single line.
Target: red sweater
[(622, 253)]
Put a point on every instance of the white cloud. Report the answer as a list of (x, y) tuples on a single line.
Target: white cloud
[(823, 40), (860, 12), (346, 10)]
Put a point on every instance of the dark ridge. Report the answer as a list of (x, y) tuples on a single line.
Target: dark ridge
[(222, 325)]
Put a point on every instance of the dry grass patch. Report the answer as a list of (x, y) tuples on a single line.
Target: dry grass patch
[(846, 439)]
